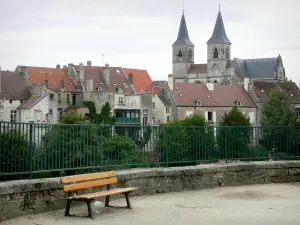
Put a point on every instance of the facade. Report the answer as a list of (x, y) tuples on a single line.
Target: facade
[(212, 100), (220, 68)]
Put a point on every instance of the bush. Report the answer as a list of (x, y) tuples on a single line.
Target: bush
[(14, 153), (185, 142)]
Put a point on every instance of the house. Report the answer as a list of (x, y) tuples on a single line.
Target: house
[(53, 93), (111, 84), (163, 103), (212, 100), (260, 89), (13, 93)]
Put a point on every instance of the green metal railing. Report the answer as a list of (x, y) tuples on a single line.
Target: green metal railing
[(29, 149)]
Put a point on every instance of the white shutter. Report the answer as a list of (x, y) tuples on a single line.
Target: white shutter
[(214, 117), (206, 115), (252, 117)]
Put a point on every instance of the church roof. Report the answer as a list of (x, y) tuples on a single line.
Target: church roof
[(219, 34), (261, 68), (183, 38), (198, 68)]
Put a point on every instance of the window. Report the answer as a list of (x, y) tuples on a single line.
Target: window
[(10, 101), (68, 98), (227, 54), (62, 84), (121, 100), (238, 103), (145, 121), (198, 103), (153, 105), (216, 54), (50, 111), (59, 97), (73, 100), (189, 113), (89, 85), (153, 120), (215, 81), (252, 117), (13, 115), (298, 113), (168, 118), (46, 83), (109, 97), (145, 111), (21, 101), (210, 116), (214, 70), (190, 55), (167, 109), (180, 54)]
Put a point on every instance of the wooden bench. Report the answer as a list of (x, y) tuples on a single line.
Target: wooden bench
[(77, 182)]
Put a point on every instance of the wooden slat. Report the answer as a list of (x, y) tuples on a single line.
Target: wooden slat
[(103, 193), (86, 177), (90, 184)]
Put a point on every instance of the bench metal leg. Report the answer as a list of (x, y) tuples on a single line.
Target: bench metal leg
[(107, 201), (90, 209), (127, 200), (67, 212)]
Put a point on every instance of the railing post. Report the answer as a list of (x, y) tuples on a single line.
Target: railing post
[(167, 152), (226, 143), (30, 147), (287, 142)]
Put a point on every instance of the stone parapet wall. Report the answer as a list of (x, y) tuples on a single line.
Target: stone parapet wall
[(24, 197)]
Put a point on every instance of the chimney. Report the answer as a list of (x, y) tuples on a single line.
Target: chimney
[(130, 77), (170, 82), (106, 73), (246, 83), (57, 66), (70, 69), (210, 86), (89, 63)]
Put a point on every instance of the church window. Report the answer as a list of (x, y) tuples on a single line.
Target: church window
[(214, 70), (190, 55), (216, 54), (227, 53), (180, 54)]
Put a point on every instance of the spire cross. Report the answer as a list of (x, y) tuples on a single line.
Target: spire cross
[(182, 6), (219, 5)]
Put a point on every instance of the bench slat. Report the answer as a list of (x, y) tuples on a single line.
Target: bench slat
[(72, 187), (103, 193), (86, 177)]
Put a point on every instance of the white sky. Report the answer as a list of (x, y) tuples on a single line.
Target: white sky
[(139, 33)]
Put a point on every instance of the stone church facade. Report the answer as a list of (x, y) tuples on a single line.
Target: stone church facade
[(220, 67)]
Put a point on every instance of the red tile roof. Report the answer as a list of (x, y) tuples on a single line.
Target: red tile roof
[(13, 86), (141, 80), (262, 89), (155, 90), (117, 77), (198, 68), (222, 96), (38, 75)]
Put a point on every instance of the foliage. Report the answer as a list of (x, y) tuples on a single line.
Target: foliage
[(278, 111), (104, 116), (278, 119), (234, 135), (186, 140), (14, 152), (120, 150), (72, 117)]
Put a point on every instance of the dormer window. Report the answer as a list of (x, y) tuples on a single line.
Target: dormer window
[(197, 102), (125, 85), (238, 103), (114, 84), (120, 90)]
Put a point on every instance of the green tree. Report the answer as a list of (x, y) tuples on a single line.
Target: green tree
[(186, 141), (72, 117), (278, 111), (234, 135), (278, 120)]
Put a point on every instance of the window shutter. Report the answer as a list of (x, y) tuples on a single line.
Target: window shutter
[(206, 115), (214, 117)]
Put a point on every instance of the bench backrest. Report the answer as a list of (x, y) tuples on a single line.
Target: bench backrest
[(72, 183)]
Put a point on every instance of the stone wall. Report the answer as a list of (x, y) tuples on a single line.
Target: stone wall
[(23, 197)]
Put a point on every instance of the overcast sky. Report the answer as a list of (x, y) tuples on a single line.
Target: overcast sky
[(139, 33)]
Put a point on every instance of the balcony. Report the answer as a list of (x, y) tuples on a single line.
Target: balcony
[(125, 120)]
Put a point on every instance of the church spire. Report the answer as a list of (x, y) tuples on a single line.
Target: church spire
[(183, 35), (219, 35)]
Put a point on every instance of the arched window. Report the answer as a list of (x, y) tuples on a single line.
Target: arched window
[(190, 55), (214, 70), (215, 81), (180, 54), (216, 54), (227, 54)]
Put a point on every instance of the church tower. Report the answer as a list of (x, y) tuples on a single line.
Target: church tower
[(218, 51), (183, 52)]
